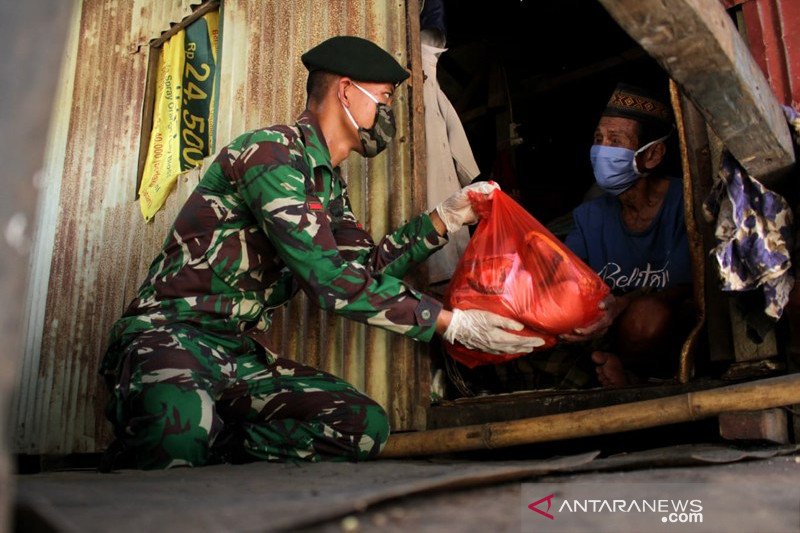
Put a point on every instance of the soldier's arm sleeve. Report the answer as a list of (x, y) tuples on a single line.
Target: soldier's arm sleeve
[(396, 253), (273, 185)]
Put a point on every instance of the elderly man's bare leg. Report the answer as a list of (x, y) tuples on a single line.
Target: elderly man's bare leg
[(642, 337)]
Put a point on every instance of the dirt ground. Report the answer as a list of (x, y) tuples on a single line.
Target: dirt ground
[(497, 508), (441, 494)]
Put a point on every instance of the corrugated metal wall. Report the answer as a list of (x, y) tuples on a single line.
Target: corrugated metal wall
[(24, 402), (28, 88), (90, 238), (265, 85), (773, 35), (97, 248)]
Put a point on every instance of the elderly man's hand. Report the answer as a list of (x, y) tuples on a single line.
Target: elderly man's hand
[(611, 308)]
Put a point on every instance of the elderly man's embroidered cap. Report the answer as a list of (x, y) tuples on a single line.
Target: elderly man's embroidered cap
[(355, 58), (635, 103)]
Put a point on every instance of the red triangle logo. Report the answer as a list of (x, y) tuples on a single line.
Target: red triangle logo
[(545, 513)]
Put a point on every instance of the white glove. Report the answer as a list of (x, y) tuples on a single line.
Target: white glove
[(457, 209), (483, 331)]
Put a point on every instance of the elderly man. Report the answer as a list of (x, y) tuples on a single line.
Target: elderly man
[(634, 236), (189, 382)]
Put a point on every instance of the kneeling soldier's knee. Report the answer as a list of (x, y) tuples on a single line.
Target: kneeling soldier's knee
[(171, 426), (375, 432)]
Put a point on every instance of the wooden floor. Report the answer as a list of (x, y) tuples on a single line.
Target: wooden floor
[(421, 495)]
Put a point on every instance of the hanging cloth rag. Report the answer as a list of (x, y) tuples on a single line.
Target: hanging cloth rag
[(793, 118), (753, 234), (451, 164)]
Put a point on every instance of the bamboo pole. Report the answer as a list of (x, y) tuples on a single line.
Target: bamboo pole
[(761, 394)]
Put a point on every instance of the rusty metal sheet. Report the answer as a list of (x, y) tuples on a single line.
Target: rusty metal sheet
[(30, 66), (773, 36), (94, 248), (89, 242), (265, 84)]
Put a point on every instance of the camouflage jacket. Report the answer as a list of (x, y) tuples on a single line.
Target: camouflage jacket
[(271, 215)]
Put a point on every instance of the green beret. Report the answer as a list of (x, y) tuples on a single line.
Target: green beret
[(355, 58)]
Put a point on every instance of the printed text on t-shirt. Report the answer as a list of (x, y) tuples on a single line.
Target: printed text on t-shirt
[(638, 278)]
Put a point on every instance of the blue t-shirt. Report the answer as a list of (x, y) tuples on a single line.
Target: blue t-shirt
[(657, 257)]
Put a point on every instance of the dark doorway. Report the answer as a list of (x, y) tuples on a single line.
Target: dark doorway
[(547, 67)]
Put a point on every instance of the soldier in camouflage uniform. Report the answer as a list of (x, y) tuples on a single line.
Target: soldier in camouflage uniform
[(271, 216)]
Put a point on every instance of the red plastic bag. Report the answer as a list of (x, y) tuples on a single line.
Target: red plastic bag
[(516, 268)]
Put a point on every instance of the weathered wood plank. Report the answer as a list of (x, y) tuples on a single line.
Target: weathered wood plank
[(417, 371), (503, 407), (692, 406), (700, 158), (696, 42)]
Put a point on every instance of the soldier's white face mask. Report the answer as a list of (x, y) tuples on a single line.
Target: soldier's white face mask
[(374, 140)]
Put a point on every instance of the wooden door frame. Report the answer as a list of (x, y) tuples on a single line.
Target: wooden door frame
[(698, 45)]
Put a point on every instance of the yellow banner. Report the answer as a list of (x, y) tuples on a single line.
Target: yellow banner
[(212, 20), (183, 114)]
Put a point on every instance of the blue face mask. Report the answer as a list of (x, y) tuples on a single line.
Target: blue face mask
[(615, 167)]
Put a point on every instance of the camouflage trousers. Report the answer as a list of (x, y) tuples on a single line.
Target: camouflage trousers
[(187, 397)]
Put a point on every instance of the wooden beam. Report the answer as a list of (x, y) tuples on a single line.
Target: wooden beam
[(148, 106), (529, 404), (762, 394), (699, 162), (696, 42), (696, 249), (205, 7), (420, 406)]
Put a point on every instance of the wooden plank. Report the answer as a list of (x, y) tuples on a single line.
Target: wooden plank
[(148, 106), (691, 204), (278, 497), (699, 159), (696, 42), (204, 8), (421, 366), (419, 155), (466, 477), (692, 406), (514, 406)]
